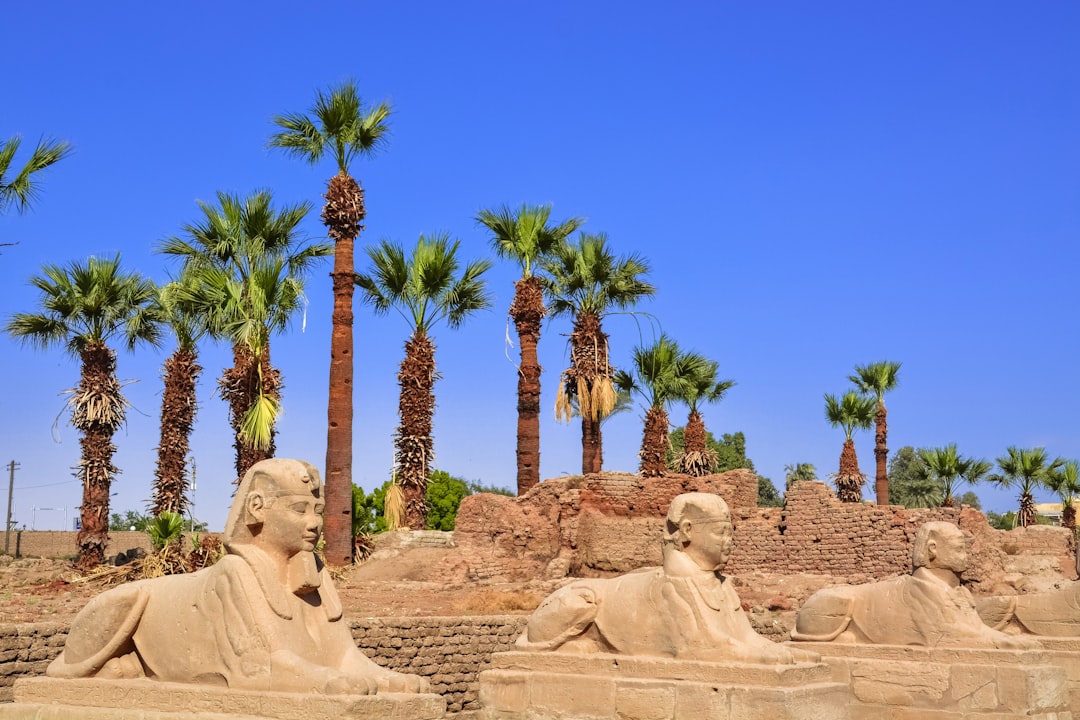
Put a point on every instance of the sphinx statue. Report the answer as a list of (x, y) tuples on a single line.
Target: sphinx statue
[(685, 609), (929, 607), (1055, 613), (264, 617)]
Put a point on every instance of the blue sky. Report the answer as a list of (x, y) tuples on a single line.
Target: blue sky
[(816, 185)]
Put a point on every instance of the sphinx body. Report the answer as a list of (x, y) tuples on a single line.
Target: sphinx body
[(1050, 614), (264, 617)]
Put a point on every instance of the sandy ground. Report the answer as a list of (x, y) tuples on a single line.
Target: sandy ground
[(40, 590)]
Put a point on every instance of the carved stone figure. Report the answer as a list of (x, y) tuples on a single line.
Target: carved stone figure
[(1050, 614), (265, 617), (929, 607), (685, 609)]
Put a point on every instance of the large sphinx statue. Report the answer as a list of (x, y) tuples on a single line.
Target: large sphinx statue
[(928, 607), (685, 609), (265, 617), (1052, 614)]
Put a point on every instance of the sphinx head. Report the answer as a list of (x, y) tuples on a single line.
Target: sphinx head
[(279, 506), (699, 525)]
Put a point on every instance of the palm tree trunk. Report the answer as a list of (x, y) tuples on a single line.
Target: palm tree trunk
[(98, 412), (697, 459), (1027, 513), (654, 443), (527, 311), (589, 377), (881, 455), (416, 409), (849, 480), (178, 405), (343, 214), (240, 387), (1068, 518)]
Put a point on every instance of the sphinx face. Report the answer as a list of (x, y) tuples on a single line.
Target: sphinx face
[(293, 523)]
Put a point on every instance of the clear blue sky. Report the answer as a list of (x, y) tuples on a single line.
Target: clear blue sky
[(816, 185)]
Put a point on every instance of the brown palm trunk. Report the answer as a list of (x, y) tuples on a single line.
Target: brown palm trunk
[(1027, 510), (881, 455), (694, 436), (413, 442), (849, 480), (98, 412), (527, 311), (654, 443), (240, 388), (178, 405), (343, 215), (589, 368), (1068, 518), (697, 458)]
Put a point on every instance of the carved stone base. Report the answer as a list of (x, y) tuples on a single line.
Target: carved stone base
[(1066, 653), (57, 699), (894, 682), (546, 686)]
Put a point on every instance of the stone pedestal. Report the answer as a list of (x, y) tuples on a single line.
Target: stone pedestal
[(62, 699), (894, 682), (1065, 652), (543, 686)]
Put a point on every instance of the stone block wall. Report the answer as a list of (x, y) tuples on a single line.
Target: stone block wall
[(449, 651)]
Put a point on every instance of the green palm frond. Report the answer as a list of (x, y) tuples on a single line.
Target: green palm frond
[(258, 423), (525, 235), (585, 277), (22, 189), (850, 412), (877, 378)]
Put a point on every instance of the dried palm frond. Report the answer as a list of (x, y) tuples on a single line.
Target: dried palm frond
[(394, 506), (697, 463), (564, 409), (604, 397)]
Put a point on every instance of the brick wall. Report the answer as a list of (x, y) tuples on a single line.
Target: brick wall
[(61, 543), (448, 651)]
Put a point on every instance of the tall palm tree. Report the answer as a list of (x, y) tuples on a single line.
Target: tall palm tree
[(1030, 469), (701, 386), (851, 412), (178, 399), (525, 236), (247, 266), (1066, 483), (945, 467), (426, 289), (658, 374), (876, 379), (340, 125), (21, 190), (84, 307), (587, 282)]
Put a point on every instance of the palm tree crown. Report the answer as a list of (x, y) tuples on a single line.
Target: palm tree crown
[(944, 467), (21, 190), (1066, 483), (850, 412), (1030, 469), (526, 235)]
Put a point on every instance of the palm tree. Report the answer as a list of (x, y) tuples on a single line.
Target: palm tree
[(587, 282), (1066, 483), (21, 190), (425, 289), (178, 399), (339, 125), (658, 374), (944, 467), (876, 379), (247, 268), (701, 385), (1030, 469), (85, 306), (525, 236), (851, 412), (799, 472)]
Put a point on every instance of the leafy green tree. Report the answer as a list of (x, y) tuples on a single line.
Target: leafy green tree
[(1029, 469), (425, 289), (84, 307), (767, 495), (909, 484), (585, 281), (945, 467), (850, 412), (525, 236), (659, 374), (875, 380), (130, 520), (246, 267), (970, 499), (1066, 483), (21, 190), (444, 495), (341, 126), (799, 472)]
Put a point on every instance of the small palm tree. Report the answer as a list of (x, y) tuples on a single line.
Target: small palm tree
[(658, 375), (1030, 469), (178, 399), (247, 267), (339, 125), (85, 306), (851, 412), (587, 282), (425, 289), (525, 236), (21, 190), (700, 385), (799, 472), (945, 467), (1066, 483), (875, 380)]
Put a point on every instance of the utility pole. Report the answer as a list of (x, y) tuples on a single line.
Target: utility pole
[(10, 494)]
